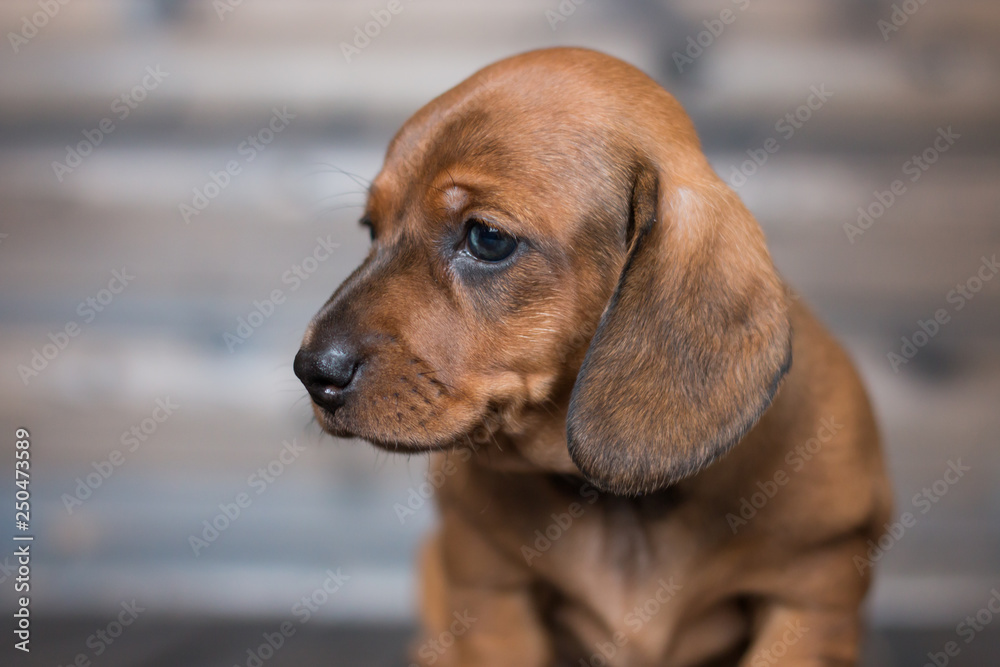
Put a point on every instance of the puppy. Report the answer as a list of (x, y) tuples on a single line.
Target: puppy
[(567, 306)]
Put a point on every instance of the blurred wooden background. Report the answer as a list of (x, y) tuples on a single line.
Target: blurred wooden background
[(164, 334)]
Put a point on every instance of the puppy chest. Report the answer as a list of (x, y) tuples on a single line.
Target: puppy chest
[(617, 582)]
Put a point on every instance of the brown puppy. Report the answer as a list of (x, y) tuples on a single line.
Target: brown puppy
[(557, 273)]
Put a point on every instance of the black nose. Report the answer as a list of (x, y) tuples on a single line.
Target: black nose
[(327, 370)]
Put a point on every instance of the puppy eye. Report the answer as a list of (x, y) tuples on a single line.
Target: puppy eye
[(489, 244), (367, 222)]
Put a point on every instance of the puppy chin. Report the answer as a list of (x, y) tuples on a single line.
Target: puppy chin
[(341, 425), (408, 447)]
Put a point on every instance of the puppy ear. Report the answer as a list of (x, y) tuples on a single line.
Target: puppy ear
[(692, 346)]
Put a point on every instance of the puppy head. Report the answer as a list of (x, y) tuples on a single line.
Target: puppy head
[(550, 227)]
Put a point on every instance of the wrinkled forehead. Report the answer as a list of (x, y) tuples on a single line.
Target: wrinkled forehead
[(469, 138), (510, 105), (503, 140)]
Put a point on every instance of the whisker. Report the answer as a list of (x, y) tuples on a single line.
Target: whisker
[(327, 211), (339, 194), (440, 382), (334, 169)]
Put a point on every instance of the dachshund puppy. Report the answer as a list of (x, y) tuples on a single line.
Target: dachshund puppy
[(567, 306)]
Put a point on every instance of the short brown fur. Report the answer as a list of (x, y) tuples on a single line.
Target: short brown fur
[(624, 383)]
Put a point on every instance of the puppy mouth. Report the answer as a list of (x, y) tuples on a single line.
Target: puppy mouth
[(414, 413), (394, 440), (326, 418)]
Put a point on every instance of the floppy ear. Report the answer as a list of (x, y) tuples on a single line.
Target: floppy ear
[(692, 346)]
